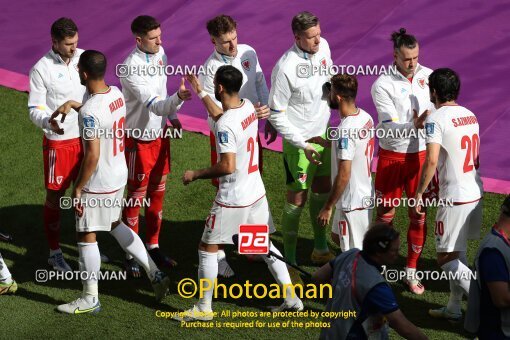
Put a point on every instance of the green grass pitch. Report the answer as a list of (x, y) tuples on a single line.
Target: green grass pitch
[(128, 306)]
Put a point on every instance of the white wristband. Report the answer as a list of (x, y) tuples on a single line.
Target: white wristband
[(202, 94)]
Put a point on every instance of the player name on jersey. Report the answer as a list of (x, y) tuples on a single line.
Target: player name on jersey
[(106, 111), (461, 121), (118, 103), (248, 120)]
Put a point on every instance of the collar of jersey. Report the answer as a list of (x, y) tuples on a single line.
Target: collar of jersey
[(58, 58), (224, 58), (302, 54), (401, 76), (147, 57)]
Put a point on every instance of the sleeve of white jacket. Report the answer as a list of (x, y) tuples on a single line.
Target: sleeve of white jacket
[(261, 85), (388, 115), (207, 82), (140, 87), (37, 107), (278, 102)]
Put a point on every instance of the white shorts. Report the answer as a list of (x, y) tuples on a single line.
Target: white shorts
[(223, 222), (457, 224), (100, 211), (351, 227)]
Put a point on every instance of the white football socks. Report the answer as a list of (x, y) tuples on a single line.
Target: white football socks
[(455, 301), (90, 263), (224, 268), (5, 274), (280, 273), (459, 285), (207, 270), (133, 245)]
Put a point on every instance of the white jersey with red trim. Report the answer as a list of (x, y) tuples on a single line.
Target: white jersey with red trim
[(254, 85), (355, 144), (143, 81), (395, 98), (456, 129), (102, 116), (299, 108), (237, 132), (52, 83)]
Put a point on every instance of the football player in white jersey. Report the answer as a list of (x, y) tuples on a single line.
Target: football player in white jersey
[(351, 174), (398, 98), (149, 108), (99, 188), (241, 197), (223, 32), (53, 80), (453, 146)]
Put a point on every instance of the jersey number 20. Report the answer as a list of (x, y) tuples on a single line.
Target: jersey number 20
[(472, 147)]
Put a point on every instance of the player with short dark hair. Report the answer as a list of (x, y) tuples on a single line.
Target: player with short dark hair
[(148, 155), (241, 197), (143, 24), (359, 286), (453, 146), (351, 167), (399, 98), (99, 187), (63, 28)]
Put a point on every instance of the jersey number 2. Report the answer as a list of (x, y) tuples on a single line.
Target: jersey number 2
[(251, 149), (369, 152)]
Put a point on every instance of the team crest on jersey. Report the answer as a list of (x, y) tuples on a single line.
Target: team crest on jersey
[(160, 62), (88, 122), (59, 179), (323, 62), (421, 82), (222, 137), (342, 143), (302, 177), (140, 177), (246, 64), (429, 128), (132, 220), (416, 249)]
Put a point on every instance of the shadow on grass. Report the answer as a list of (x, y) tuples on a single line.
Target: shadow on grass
[(179, 239)]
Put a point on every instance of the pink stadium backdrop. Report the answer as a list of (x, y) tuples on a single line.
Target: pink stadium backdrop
[(472, 37)]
